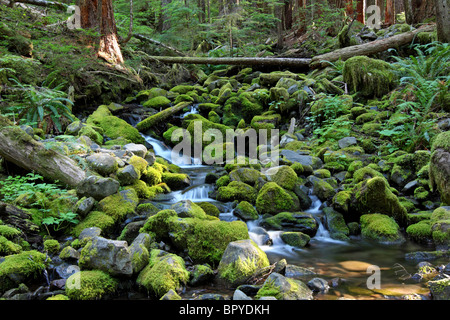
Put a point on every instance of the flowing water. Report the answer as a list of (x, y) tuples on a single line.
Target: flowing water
[(351, 261)]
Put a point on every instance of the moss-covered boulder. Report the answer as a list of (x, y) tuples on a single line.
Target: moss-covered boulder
[(159, 102), (273, 199), (292, 221), (236, 190), (90, 285), (246, 211), (375, 196), (240, 260), (23, 267), (165, 272), (245, 175), (295, 238), (283, 288), (114, 127), (381, 229), (95, 219), (102, 163), (284, 176), (369, 77), (336, 224), (323, 190), (440, 166), (118, 205), (204, 239)]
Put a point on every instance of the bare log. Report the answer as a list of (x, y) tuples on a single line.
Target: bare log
[(158, 43), (282, 62), (21, 220), (44, 3), (21, 149), (368, 48), (155, 119)]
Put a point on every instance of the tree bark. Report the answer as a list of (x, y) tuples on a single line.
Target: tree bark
[(389, 13), (159, 117), (19, 148), (283, 62), (43, 3), (443, 20), (416, 11), (368, 48), (21, 220)]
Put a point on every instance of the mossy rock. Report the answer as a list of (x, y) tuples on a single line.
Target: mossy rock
[(273, 199), (295, 239), (375, 196), (236, 190), (197, 126), (292, 221), (283, 288), (95, 219), (439, 166), (23, 267), (118, 205), (336, 224), (157, 103), (209, 208), (369, 77), (245, 175), (323, 190), (245, 211), (420, 232), (165, 272), (284, 176), (381, 229), (90, 285), (114, 127), (240, 260)]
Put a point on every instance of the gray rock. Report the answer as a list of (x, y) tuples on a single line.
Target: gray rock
[(440, 289), (314, 162), (128, 175), (85, 205), (318, 285), (239, 295), (261, 236), (111, 256), (297, 272), (139, 250), (74, 128), (90, 233), (102, 163), (186, 208), (347, 142), (97, 187), (137, 149), (201, 274)]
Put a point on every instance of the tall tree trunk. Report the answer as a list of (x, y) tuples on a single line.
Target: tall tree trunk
[(99, 15), (389, 13), (416, 11), (443, 20), (361, 10)]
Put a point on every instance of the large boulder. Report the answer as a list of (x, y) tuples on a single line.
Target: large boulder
[(380, 228), (236, 190), (102, 163), (110, 256), (97, 187), (240, 260), (292, 221), (440, 166), (273, 199)]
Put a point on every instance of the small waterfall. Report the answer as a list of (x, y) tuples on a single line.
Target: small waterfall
[(195, 194)]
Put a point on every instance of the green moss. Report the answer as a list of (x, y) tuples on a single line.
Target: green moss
[(91, 133), (176, 181), (182, 89), (58, 297), (163, 274), (421, 193), (113, 126), (295, 239), (157, 103), (369, 77), (95, 219), (223, 181), (24, 266), (90, 285), (52, 246), (285, 177), (213, 117), (120, 204), (341, 201), (380, 228), (323, 189), (273, 199), (420, 232), (198, 125), (236, 190), (8, 247), (9, 232), (246, 211), (209, 208), (336, 224), (365, 173)]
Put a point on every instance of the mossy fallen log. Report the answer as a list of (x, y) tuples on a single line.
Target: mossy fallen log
[(159, 117), (21, 149), (369, 48)]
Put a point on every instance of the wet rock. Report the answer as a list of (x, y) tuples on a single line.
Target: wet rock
[(127, 175), (292, 221), (261, 236), (137, 149), (171, 295), (295, 239), (284, 288), (440, 289), (239, 295), (297, 272), (314, 162), (318, 285), (211, 296), (201, 274), (139, 251)]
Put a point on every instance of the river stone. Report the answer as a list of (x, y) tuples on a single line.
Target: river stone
[(292, 221), (137, 149), (295, 239), (318, 285), (347, 142), (97, 187), (440, 166), (285, 288), (201, 274), (89, 233), (261, 236), (188, 209), (239, 295), (240, 260), (440, 289), (139, 251), (245, 175), (127, 175), (111, 256), (102, 163), (297, 272), (84, 206), (314, 162)]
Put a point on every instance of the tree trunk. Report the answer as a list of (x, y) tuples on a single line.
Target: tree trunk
[(99, 15), (416, 11), (21, 220), (144, 38), (368, 48), (18, 147), (361, 10), (158, 118), (43, 3), (389, 13), (443, 20), (282, 62)]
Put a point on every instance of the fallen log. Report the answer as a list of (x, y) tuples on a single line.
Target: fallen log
[(159, 117), (20, 219), (158, 43), (368, 48), (44, 3), (282, 62), (18, 147)]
